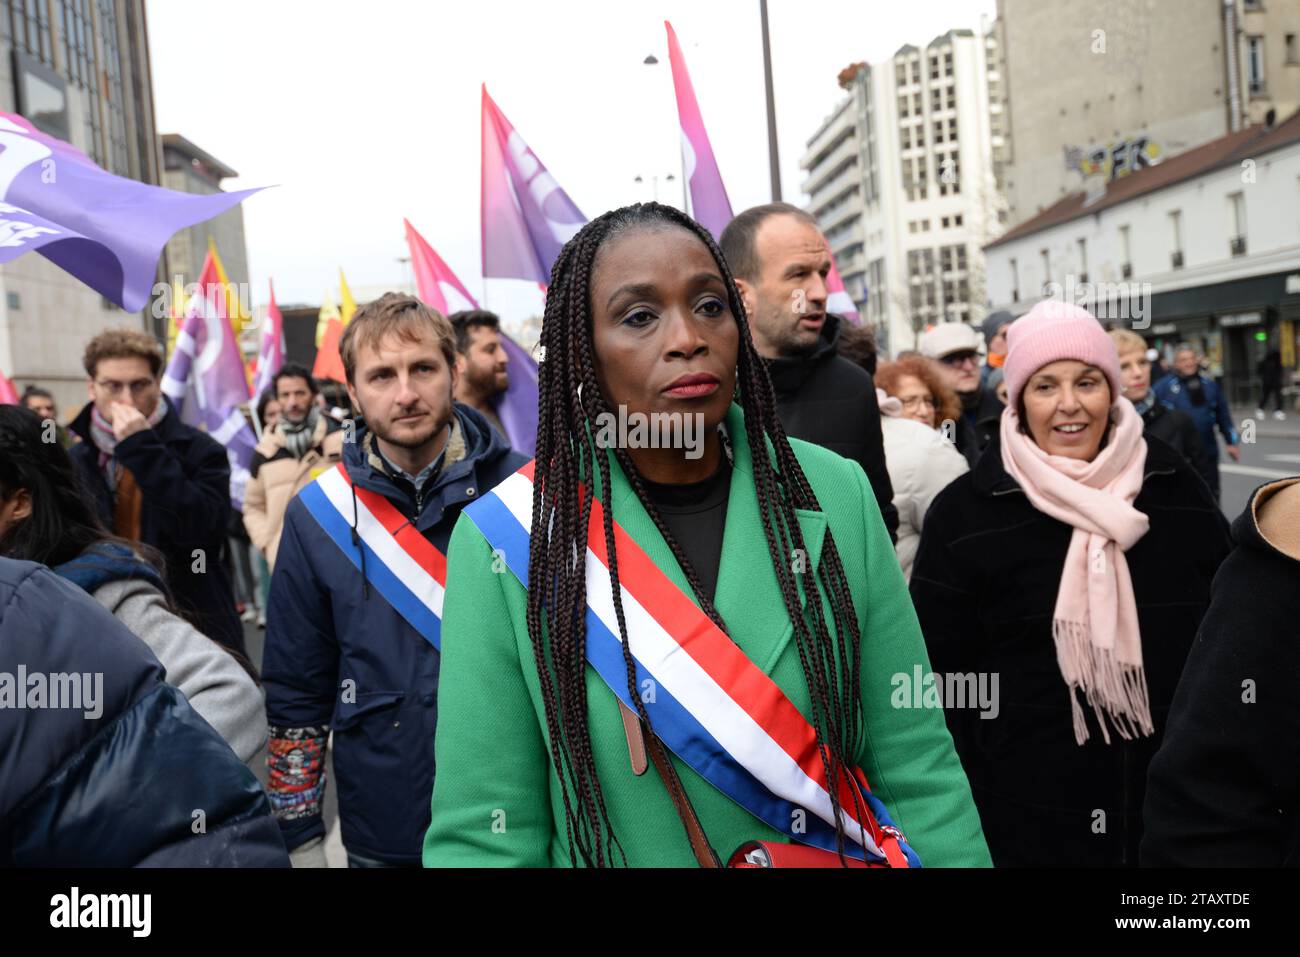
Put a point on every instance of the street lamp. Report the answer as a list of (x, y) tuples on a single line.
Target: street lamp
[(652, 60), (654, 179)]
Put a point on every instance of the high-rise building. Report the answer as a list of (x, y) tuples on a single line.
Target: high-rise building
[(189, 169), (1097, 90), (901, 179), (79, 70)]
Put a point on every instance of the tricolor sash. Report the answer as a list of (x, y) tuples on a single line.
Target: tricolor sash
[(400, 563), (712, 706)]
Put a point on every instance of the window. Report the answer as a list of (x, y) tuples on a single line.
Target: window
[(1083, 260), (916, 70), (78, 65), (1291, 57), (934, 67), (1015, 280), (905, 137), (1237, 213), (1047, 266), (1176, 223), (118, 155), (1255, 64), (916, 103), (956, 220), (900, 74), (952, 97), (29, 26), (938, 132), (902, 106)]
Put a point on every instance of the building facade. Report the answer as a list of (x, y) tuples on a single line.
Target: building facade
[(189, 169), (1099, 90), (79, 70), (902, 181), (1203, 248)]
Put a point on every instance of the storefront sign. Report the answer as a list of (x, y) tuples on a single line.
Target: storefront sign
[(1241, 319), (1164, 329)]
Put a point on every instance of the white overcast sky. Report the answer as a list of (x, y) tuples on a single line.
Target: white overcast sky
[(361, 113)]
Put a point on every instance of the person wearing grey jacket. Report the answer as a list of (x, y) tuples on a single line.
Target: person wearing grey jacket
[(43, 518)]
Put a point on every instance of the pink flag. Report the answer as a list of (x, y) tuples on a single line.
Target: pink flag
[(838, 300), (709, 203), (8, 393), (270, 355), (439, 287), (435, 283), (527, 218)]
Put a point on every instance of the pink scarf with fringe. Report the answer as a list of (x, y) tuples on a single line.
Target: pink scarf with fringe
[(1095, 625)]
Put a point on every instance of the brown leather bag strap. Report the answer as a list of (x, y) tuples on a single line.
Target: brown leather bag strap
[(700, 847)]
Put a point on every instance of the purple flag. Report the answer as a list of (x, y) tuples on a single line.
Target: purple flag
[(205, 379), (527, 218), (105, 230), (709, 203)]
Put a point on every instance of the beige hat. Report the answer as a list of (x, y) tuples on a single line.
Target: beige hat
[(949, 337)]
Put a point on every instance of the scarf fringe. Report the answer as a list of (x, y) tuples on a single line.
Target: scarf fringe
[(1113, 689)]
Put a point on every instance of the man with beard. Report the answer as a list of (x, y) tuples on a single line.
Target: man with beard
[(480, 363), (780, 261), (302, 445), (354, 624)]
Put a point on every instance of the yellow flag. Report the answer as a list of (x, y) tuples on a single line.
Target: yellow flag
[(349, 304), (239, 317), (328, 311)]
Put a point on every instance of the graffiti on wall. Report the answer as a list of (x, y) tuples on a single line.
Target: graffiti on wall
[(1115, 160)]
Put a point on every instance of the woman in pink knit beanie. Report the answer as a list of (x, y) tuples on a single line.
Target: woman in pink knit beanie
[(1073, 563)]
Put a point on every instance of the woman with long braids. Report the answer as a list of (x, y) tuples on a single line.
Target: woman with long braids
[(739, 606), (45, 517)]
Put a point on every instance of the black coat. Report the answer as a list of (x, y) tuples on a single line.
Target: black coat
[(827, 400), (1224, 790), (1178, 431), (184, 480), (973, 438), (117, 784), (984, 585)]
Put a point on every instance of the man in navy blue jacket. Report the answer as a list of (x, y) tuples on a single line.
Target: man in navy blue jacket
[(353, 616), (1187, 390), (102, 764)]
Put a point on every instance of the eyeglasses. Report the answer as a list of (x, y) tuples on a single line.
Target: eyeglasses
[(137, 388), (961, 358), (912, 401)]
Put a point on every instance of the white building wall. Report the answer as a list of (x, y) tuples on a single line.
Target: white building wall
[(1272, 231)]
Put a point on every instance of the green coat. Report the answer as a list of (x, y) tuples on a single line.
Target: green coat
[(496, 798)]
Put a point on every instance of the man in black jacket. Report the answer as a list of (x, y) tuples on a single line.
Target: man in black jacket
[(954, 349), (1176, 429), (1224, 789), (780, 261), (156, 480)]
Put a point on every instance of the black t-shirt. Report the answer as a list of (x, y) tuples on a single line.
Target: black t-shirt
[(696, 514)]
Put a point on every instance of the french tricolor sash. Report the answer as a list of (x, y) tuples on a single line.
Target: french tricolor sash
[(400, 563), (712, 706)]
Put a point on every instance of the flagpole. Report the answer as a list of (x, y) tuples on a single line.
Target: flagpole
[(773, 161)]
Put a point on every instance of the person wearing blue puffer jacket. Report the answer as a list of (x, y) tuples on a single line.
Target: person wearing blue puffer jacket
[(353, 619), (102, 763), (1188, 390)]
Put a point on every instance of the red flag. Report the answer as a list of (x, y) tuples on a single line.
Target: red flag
[(329, 364)]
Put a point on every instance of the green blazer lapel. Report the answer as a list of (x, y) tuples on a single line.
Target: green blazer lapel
[(749, 595)]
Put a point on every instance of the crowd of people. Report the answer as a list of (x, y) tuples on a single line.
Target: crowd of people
[(974, 605)]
